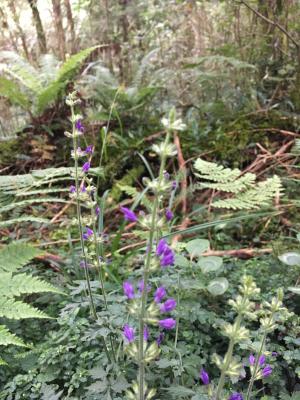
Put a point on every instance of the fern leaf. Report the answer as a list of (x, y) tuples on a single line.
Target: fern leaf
[(7, 338), (24, 203), (10, 90), (15, 285), (16, 255), (64, 75), (215, 172), (26, 218), (12, 309), (238, 185)]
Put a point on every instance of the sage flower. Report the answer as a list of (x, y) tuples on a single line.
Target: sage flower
[(168, 323), (236, 396), (89, 149), (128, 333), (168, 258), (161, 247), (159, 294), (141, 286), (168, 305), (267, 371), (146, 333), (251, 359), (169, 215), (86, 166), (88, 233), (128, 290), (128, 214), (97, 211), (204, 377), (262, 360), (160, 338), (72, 189), (78, 125)]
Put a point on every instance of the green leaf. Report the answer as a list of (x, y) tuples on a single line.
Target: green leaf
[(181, 261), (196, 247), (26, 218), (16, 255), (10, 90), (18, 310), (218, 286), (210, 264), (178, 392), (290, 258), (7, 338), (294, 289)]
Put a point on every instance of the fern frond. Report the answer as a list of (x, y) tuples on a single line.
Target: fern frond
[(16, 255), (64, 75), (11, 91), (215, 172), (12, 309), (25, 203), (15, 285), (7, 338), (259, 196), (235, 186)]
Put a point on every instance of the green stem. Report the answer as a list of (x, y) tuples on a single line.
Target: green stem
[(227, 360), (87, 278), (141, 377)]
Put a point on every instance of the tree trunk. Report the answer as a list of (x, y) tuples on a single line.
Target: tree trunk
[(5, 27), (19, 28), (59, 28), (38, 26), (71, 25)]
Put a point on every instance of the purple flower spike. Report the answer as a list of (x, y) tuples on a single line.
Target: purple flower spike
[(168, 306), (89, 149), (168, 323), (169, 215), (79, 126), (128, 290), (160, 338), (88, 233), (236, 396), (267, 371), (86, 166), (168, 258), (251, 359), (72, 189), (128, 333), (161, 247), (128, 214), (159, 294), (262, 360), (146, 333), (204, 377)]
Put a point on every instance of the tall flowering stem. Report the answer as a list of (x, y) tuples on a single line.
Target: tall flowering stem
[(268, 324), (141, 377), (71, 101), (236, 332)]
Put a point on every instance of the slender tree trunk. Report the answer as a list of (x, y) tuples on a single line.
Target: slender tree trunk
[(19, 28), (59, 28), (71, 25), (5, 27), (124, 61), (38, 26)]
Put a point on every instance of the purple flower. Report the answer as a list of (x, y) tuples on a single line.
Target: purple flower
[(86, 166), (161, 247), (97, 211), (146, 333), (174, 185), (169, 215), (79, 126), (83, 188), (89, 149), (236, 396), (262, 360), (267, 371), (168, 323), (251, 359), (168, 258), (274, 354), (128, 333), (72, 189), (204, 377), (128, 290), (166, 175), (88, 233), (128, 214), (168, 306), (141, 286), (159, 294), (160, 338)]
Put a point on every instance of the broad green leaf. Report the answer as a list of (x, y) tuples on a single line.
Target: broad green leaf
[(294, 289), (290, 258), (196, 247), (181, 261), (218, 286), (210, 264)]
